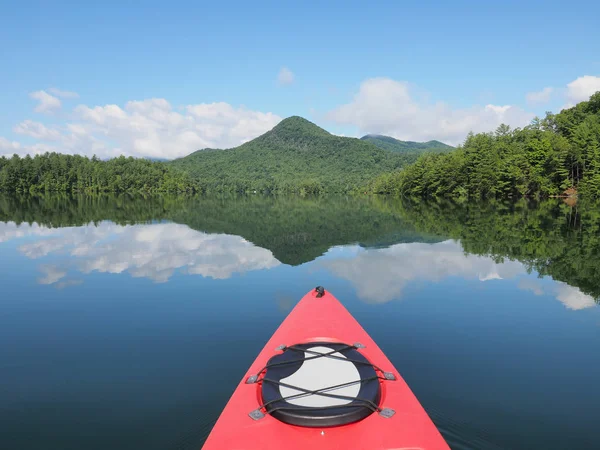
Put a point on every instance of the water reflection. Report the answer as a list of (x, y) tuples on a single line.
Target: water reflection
[(151, 251), (295, 230), (157, 251), (572, 297), (10, 231), (380, 275), (481, 338), (394, 242)]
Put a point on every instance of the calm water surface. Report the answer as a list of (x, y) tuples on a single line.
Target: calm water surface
[(127, 323)]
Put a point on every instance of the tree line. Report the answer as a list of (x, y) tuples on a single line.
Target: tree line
[(556, 155), (54, 172)]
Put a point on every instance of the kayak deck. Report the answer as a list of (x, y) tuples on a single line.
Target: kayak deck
[(398, 420)]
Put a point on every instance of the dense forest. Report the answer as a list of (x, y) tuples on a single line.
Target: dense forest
[(53, 172), (556, 155), (295, 156), (395, 145)]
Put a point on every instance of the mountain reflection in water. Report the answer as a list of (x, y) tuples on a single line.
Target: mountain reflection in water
[(119, 309)]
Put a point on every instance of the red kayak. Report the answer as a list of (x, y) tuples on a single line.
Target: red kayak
[(322, 383)]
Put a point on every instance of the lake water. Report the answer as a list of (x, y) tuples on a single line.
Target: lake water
[(126, 323)]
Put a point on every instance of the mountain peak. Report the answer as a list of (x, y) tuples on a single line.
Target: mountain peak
[(295, 156), (299, 126)]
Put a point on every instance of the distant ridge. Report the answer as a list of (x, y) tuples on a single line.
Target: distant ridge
[(396, 145)]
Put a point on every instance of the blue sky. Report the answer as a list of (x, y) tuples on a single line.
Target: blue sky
[(414, 70)]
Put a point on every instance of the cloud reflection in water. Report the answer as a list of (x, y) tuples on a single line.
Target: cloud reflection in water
[(157, 251), (153, 251), (380, 275)]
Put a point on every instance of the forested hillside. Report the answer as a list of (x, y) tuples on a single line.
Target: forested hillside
[(295, 156), (557, 155), (53, 172), (395, 145)]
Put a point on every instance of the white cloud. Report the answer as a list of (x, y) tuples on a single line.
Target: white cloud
[(152, 128), (150, 251), (47, 103), (285, 76), (37, 130), (147, 128), (539, 97), (38, 149), (8, 147), (385, 106), (581, 89), (63, 94)]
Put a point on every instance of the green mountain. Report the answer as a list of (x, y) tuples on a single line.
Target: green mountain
[(295, 156), (395, 145)]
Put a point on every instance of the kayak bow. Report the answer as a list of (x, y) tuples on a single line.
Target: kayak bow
[(322, 382)]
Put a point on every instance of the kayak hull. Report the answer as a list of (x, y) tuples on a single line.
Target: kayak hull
[(324, 319)]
